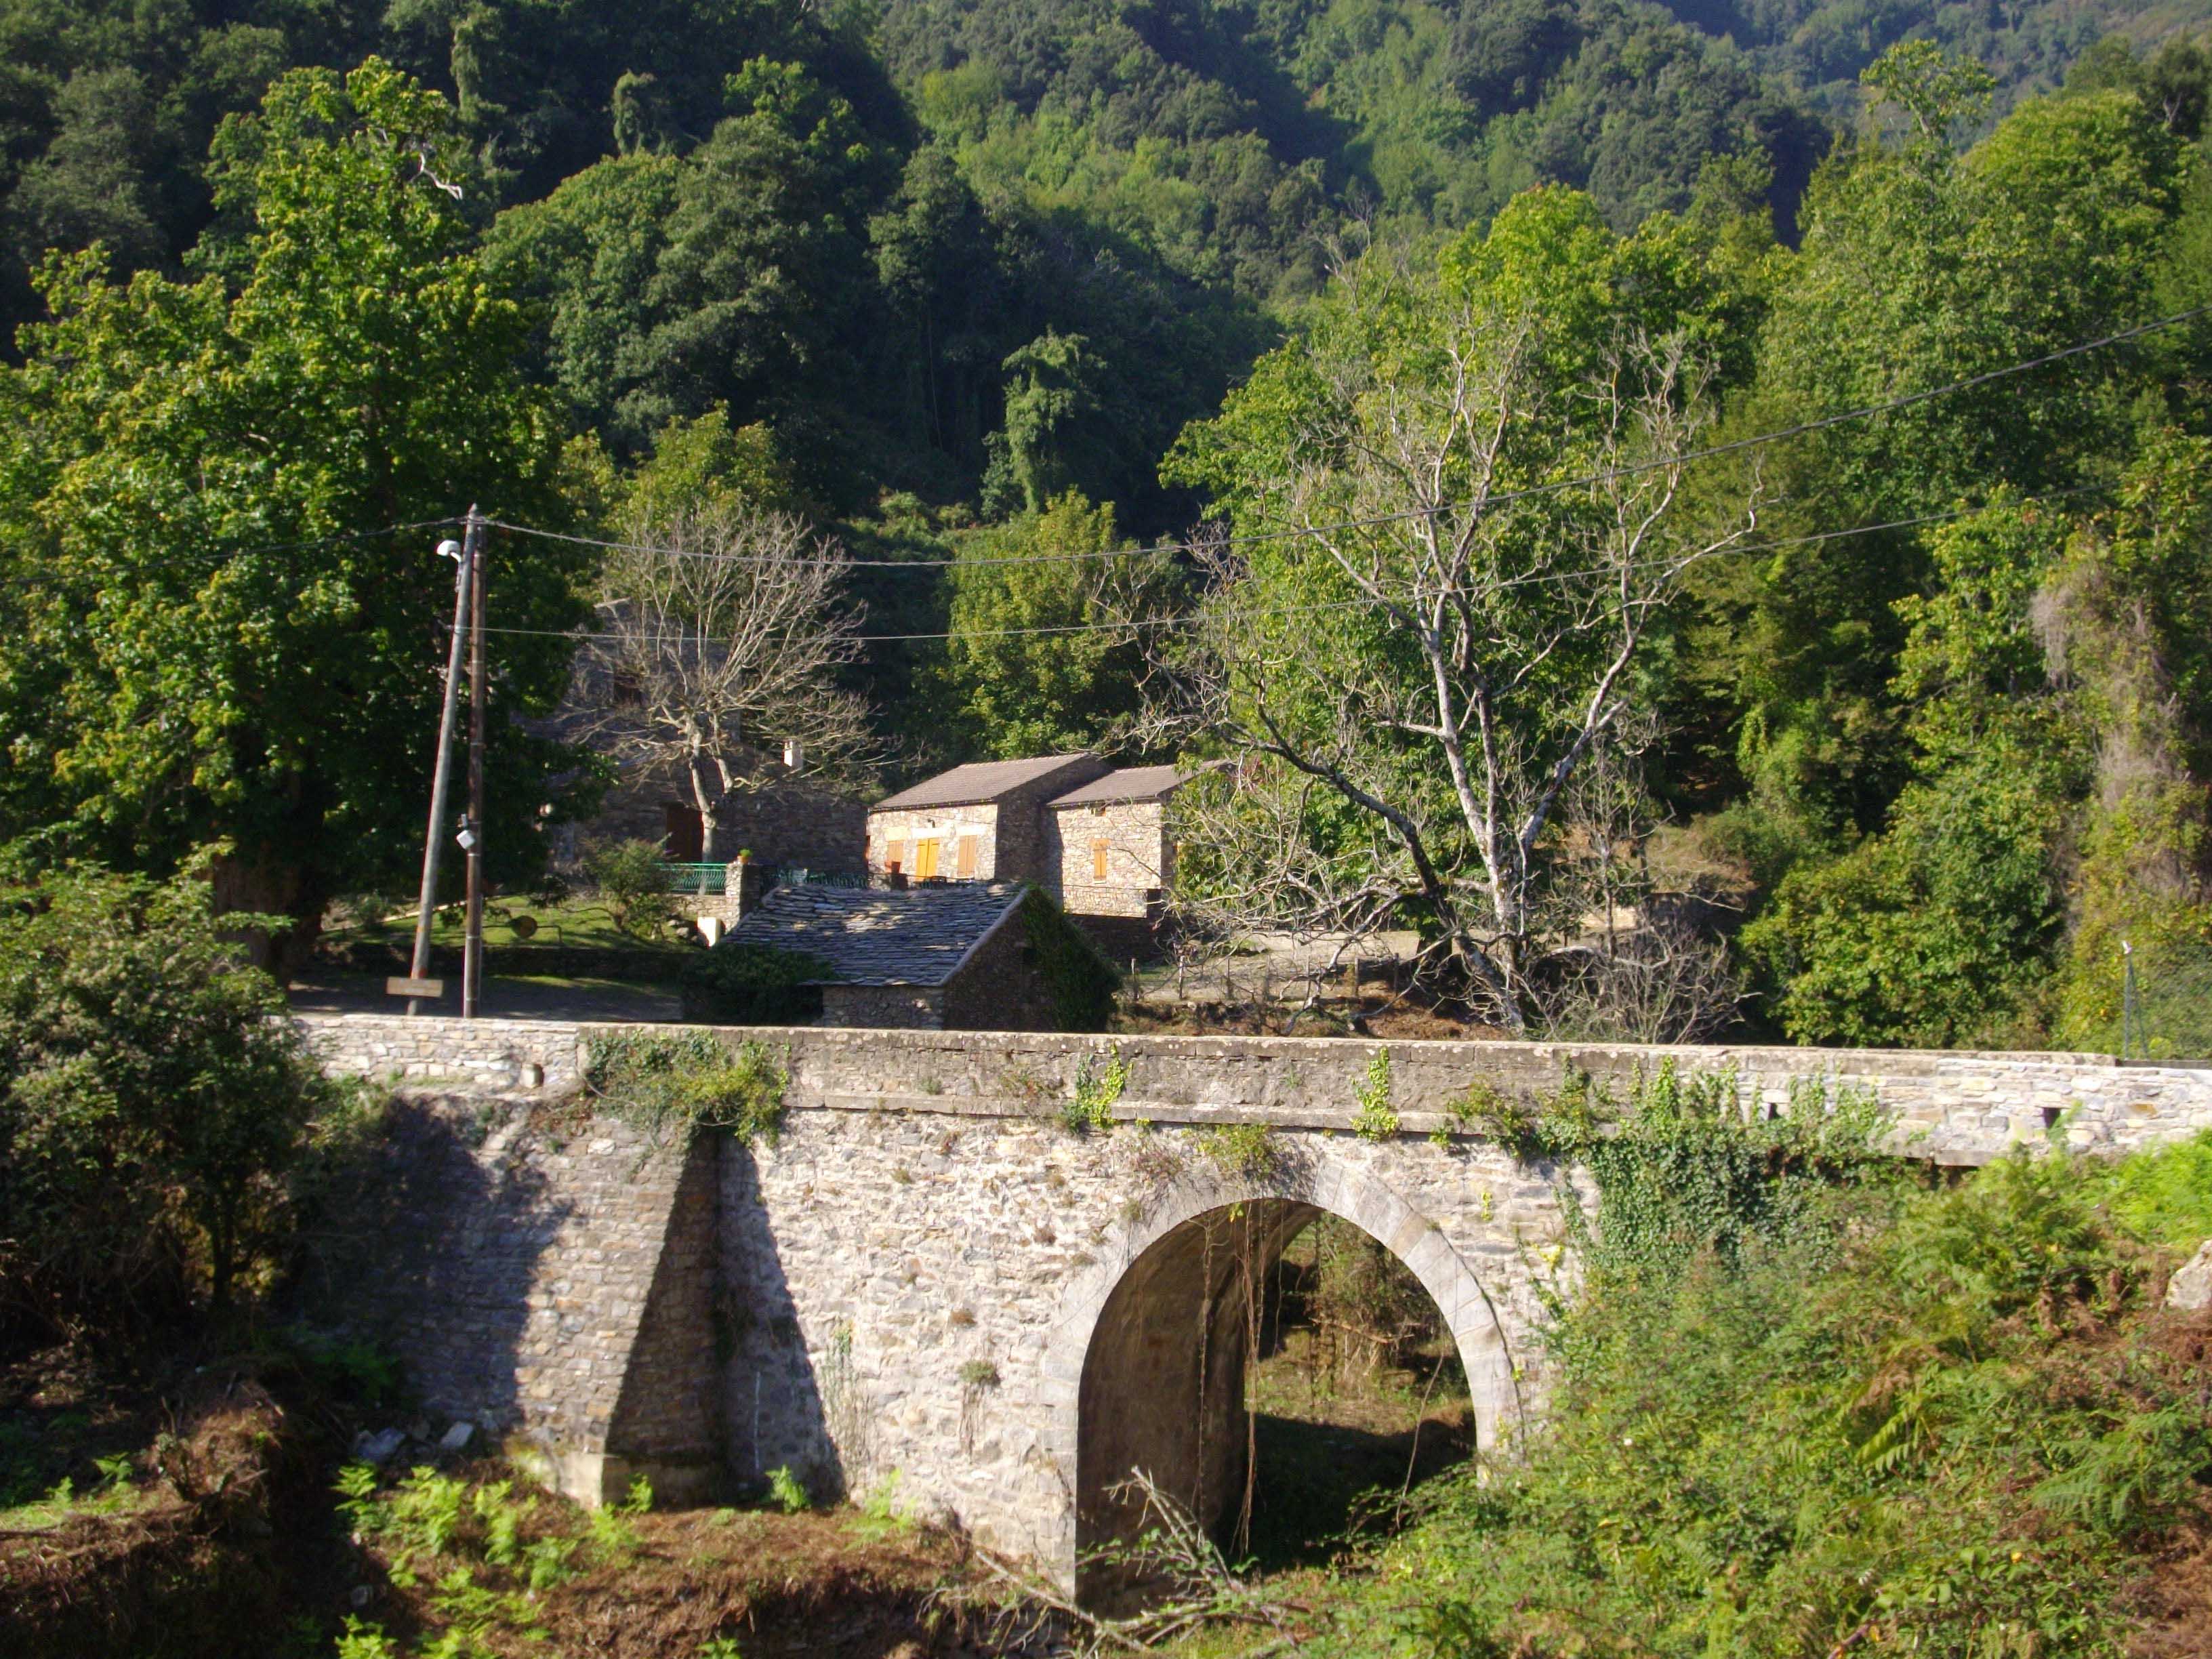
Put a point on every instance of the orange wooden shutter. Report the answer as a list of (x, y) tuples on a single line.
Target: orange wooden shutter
[(966, 867), (925, 860), (1098, 851)]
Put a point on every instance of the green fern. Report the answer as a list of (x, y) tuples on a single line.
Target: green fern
[(785, 1493)]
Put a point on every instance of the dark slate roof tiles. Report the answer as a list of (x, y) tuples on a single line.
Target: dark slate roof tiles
[(984, 781), (877, 937)]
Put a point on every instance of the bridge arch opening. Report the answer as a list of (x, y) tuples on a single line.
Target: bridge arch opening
[(1186, 1330)]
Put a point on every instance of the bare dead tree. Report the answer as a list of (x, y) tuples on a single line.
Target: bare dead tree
[(720, 638), (1411, 682), (1628, 963)]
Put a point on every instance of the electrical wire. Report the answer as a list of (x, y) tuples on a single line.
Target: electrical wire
[(1905, 400), (215, 562), (1189, 619)]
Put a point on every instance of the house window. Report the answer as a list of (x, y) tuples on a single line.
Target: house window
[(925, 860), (1098, 851), (970, 846), (894, 855)]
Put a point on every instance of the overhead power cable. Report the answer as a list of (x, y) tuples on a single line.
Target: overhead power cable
[(216, 560), (1190, 618), (1867, 412)]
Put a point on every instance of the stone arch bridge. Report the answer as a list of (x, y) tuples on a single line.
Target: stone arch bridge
[(928, 1278)]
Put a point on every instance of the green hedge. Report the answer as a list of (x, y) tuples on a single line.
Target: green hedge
[(742, 983)]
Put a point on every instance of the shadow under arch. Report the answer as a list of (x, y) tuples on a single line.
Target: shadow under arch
[(1147, 1370)]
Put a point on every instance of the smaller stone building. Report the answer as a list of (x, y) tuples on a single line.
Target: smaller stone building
[(951, 957), (1107, 843), (982, 822)]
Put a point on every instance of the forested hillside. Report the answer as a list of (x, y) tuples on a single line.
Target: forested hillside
[(987, 294)]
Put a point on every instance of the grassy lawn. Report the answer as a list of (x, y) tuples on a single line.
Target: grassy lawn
[(575, 921)]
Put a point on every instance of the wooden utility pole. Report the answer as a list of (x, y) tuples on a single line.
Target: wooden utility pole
[(473, 833), (417, 983)]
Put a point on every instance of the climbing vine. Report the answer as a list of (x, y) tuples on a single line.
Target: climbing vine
[(673, 1085), (1097, 1088), (1081, 982), (1682, 1169), (1376, 1119)]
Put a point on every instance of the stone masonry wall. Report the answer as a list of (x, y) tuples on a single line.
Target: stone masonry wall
[(885, 1007), (887, 1259), (788, 820), (509, 1263), (1138, 865), (892, 837), (1023, 851), (1954, 1107), (999, 988), (439, 1051), (907, 1281)]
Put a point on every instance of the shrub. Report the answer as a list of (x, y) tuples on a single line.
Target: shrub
[(151, 1099), (1246, 1151), (740, 982), (1375, 1118), (632, 880), (667, 1085), (1096, 1089), (1369, 1297), (784, 1491), (1805, 1402)]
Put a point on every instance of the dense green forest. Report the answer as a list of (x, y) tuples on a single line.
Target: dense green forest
[(992, 292)]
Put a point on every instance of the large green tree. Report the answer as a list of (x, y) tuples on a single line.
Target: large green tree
[(1922, 265), (209, 635), (1462, 495), (1041, 660)]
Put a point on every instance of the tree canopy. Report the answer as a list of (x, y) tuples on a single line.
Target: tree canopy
[(209, 639)]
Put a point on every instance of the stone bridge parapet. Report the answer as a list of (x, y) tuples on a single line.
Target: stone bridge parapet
[(928, 1278)]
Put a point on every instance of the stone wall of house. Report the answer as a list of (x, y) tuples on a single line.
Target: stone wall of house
[(892, 837), (885, 1007), (1000, 988), (1138, 864), (1023, 830), (791, 821)]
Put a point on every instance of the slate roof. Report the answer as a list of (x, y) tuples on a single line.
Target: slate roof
[(877, 937), (981, 780), (1130, 783)]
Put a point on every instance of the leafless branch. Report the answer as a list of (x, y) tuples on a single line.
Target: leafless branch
[(1487, 656), (720, 644)]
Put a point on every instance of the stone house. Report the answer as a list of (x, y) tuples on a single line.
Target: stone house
[(982, 822), (1094, 837), (782, 818), (1107, 842), (951, 957)]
